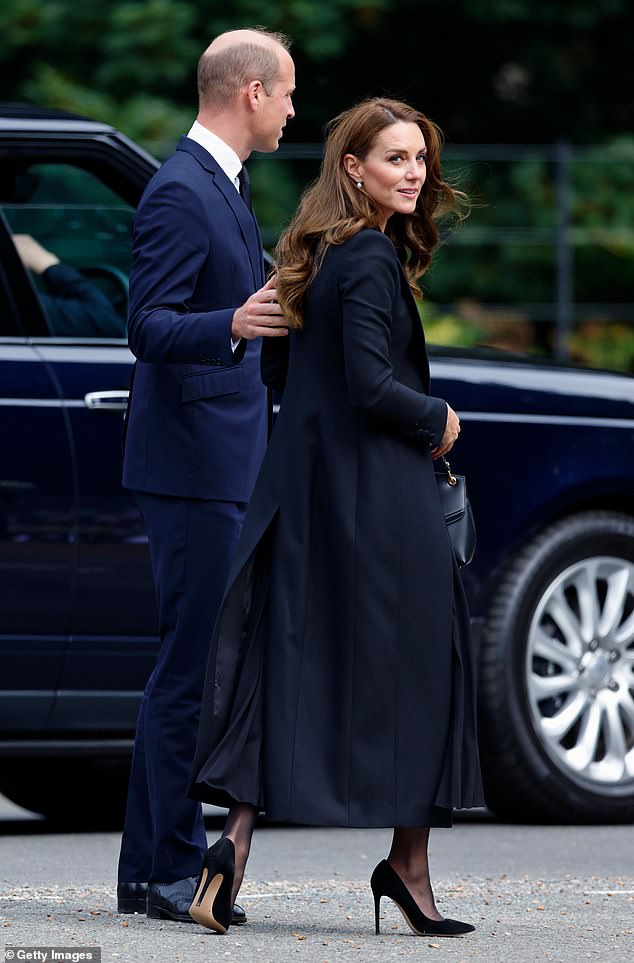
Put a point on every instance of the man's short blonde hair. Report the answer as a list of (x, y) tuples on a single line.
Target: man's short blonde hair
[(222, 73)]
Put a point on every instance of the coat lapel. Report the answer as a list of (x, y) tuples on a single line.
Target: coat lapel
[(419, 333), (246, 221)]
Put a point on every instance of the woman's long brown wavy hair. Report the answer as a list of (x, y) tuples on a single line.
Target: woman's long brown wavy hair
[(333, 209)]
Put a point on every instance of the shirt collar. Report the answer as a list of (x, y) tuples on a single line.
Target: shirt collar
[(225, 156)]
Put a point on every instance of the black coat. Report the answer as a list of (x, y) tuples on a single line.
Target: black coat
[(340, 687)]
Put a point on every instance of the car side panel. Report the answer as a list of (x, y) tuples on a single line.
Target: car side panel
[(113, 624), (37, 537), (535, 446)]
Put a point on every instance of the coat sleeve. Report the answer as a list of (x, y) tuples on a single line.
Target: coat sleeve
[(172, 241), (274, 362), (76, 307), (369, 283)]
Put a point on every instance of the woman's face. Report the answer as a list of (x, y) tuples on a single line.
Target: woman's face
[(393, 172)]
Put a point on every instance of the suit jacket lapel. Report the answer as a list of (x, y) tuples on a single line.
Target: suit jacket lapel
[(246, 221)]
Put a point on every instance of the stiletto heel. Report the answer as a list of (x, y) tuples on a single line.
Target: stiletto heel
[(377, 909), (386, 882), (211, 905)]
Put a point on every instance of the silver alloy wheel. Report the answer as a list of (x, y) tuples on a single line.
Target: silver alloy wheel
[(580, 673)]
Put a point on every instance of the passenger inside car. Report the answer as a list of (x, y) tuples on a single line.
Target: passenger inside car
[(59, 206), (73, 304)]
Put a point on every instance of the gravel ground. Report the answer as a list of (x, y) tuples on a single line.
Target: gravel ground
[(308, 899)]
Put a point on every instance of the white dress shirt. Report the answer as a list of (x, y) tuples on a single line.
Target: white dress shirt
[(225, 157)]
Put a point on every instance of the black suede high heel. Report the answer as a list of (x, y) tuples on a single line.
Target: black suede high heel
[(212, 905), (386, 882)]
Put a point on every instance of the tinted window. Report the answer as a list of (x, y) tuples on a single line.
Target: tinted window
[(7, 319), (70, 213), (16, 294)]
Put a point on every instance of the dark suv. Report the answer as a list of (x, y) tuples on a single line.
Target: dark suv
[(78, 612), (549, 455)]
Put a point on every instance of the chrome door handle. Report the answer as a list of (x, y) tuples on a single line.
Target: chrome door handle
[(107, 400)]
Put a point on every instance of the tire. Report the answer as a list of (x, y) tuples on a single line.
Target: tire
[(73, 793), (556, 684)]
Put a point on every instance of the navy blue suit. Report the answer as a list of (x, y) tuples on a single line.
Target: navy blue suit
[(195, 437)]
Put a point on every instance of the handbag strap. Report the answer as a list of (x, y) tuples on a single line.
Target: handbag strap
[(451, 478)]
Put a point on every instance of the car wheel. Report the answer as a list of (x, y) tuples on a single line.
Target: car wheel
[(556, 686), (72, 793)]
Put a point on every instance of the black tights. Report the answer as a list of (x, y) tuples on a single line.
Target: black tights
[(408, 855)]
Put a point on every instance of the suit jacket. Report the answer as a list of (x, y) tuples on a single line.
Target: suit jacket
[(197, 415)]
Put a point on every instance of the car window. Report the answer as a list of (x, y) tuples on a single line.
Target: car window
[(20, 311), (8, 325), (70, 214)]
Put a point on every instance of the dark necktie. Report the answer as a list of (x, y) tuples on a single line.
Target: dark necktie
[(245, 188)]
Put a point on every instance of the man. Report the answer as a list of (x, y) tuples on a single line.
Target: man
[(196, 431)]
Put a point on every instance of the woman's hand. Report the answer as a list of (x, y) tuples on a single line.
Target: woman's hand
[(450, 436)]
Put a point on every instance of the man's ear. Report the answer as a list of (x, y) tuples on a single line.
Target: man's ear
[(351, 166), (255, 93)]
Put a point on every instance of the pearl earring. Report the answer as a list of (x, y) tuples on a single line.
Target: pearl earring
[(359, 183)]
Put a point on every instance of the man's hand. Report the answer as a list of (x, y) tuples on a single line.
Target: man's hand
[(452, 430), (260, 316), (35, 257)]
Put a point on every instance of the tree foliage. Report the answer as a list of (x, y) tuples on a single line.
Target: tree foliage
[(487, 70)]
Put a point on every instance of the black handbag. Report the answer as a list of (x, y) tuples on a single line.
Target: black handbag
[(457, 511)]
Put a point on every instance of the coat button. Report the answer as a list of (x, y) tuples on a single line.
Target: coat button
[(425, 436)]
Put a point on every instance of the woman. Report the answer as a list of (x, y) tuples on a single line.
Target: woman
[(340, 688)]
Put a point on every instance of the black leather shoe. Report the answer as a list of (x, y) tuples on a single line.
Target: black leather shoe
[(171, 901), (166, 901), (238, 917), (131, 897)]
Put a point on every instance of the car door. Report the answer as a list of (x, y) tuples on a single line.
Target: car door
[(75, 208), (38, 501)]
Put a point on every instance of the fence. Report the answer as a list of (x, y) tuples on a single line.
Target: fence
[(545, 262)]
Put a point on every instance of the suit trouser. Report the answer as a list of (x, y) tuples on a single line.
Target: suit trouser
[(192, 542)]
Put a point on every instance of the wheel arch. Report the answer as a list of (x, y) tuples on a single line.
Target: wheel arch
[(505, 745), (606, 495)]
